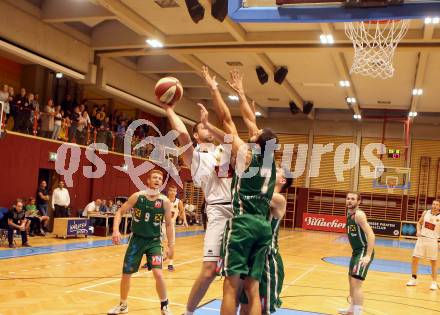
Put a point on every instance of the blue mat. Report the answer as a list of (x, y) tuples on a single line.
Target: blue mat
[(213, 307), (40, 250), (385, 242), (382, 265)]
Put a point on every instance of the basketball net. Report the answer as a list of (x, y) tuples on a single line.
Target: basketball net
[(374, 44)]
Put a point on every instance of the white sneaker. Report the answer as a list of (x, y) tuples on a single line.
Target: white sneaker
[(344, 311), (120, 309), (166, 311), (412, 282), (434, 286)]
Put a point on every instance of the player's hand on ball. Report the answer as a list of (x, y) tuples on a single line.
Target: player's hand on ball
[(116, 238), (365, 260), (166, 106)]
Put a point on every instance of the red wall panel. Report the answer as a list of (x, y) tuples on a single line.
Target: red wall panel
[(21, 158)]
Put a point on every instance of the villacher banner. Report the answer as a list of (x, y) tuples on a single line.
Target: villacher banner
[(324, 222)]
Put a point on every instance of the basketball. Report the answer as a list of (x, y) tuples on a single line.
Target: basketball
[(168, 90)]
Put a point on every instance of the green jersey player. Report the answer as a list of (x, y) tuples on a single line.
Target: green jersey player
[(361, 238), (149, 210), (271, 282)]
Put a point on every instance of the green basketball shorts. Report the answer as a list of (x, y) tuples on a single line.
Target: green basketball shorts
[(271, 284), (137, 247), (246, 243), (356, 270)]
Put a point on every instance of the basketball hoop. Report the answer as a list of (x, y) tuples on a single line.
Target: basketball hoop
[(374, 44)]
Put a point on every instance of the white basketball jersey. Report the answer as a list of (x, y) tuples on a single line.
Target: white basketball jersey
[(431, 225), (175, 208)]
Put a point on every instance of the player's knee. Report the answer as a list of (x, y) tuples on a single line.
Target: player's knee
[(209, 271), (157, 273)]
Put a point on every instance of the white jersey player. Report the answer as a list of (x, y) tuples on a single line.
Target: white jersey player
[(428, 234), (205, 162), (176, 211)]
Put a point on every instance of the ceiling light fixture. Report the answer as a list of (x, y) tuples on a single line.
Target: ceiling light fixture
[(344, 83), (357, 117), (432, 20), (351, 100), (258, 114), (58, 75), (233, 97), (327, 39), (412, 114), (417, 92), (154, 43)]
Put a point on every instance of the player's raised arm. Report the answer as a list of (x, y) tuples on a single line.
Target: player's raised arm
[(184, 137), (278, 205), (361, 219), (130, 203), (247, 112), (169, 225), (220, 107)]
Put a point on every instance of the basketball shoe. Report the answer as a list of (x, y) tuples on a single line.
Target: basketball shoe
[(120, 309)]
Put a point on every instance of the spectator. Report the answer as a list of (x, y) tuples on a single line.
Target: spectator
[(100, 115), (37, 221), (93, 119), (58, 118), (47, 119), (103, 207), (60, 201), (74, 121), (191, 214), (65, 127), (112, 208), (83, 124), (68, 105), (42, 198), (17, 221), (4, 97), (120, 133), (92, 207), (32, 113), (12, 106), (20, 103)]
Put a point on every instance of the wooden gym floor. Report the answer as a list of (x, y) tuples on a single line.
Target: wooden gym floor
[(86, 281)]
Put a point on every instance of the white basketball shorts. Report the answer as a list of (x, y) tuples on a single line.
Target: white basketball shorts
[(426, 248), (217, 217)]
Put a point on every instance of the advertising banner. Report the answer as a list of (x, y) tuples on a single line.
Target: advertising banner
[(324, 222), (385, 228)]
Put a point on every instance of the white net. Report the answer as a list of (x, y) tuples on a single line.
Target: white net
[(374, 44)]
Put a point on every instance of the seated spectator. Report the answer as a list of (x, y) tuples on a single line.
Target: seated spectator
[(65, 126), (191, 216), (37, 221), (103, 207), (17, 221), (92, 207), (112, 208)]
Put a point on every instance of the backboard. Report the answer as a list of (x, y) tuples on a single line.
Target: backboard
[(392, 178), (321, 11)]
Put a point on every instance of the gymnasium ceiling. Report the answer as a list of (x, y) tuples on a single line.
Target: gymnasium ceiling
[(118, 29)]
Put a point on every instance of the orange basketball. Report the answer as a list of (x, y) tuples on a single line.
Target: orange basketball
[(168, 90)]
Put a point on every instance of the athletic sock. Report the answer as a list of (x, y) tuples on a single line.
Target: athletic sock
[(163, 304), (357, 310), (170, 262), (414, 276), (123, 302)]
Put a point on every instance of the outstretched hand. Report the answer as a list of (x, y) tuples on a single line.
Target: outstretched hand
[(166, 106), (203, 114), (210, 80), (236, 81)]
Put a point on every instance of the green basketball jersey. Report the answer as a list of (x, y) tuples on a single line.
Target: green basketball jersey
[(275, 223), (356, 236), (253, 195), (147, 217)]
